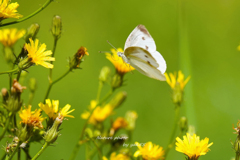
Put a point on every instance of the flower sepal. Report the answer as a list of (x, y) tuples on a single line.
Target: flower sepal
[(53, 133)]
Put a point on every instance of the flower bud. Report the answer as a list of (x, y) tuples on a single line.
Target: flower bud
[(191, 130), (8, 54), (32, 84), (131, 117), (5, 94), (57, 27), (117, 81), (89, 132), (32, 32), (118, 99), (183, 124), (104, 74), (53, 133)]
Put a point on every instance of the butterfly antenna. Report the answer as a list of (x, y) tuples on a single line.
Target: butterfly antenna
[(111, 45), (103, 51)]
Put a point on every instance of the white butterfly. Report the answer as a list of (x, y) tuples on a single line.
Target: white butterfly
[(140, 52)]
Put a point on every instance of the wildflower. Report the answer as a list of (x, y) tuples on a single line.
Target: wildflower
[(149, 151), (31, 118), (8, 37), (99, 114), (177, 81), (78, 58), (119, 123), (119, 64), (192, 146), (38, 55), (8, 10), (51, 109), (120, 156), (177, 85)]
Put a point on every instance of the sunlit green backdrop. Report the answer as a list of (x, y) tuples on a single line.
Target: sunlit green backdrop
[(213, 36)]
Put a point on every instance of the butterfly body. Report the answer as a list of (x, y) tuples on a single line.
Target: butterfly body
[(140, 52)]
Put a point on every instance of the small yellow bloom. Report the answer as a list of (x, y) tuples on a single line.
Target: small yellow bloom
[(149, 151), (38, 55), (99, 114), (51, 109), (8, 37), (8, 10), (173, 80), (192, 146), (31, 118), (121, 66), (120, 156), (120, 122)]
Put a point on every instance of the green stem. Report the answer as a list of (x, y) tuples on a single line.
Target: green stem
[(53, 53), (19, 153), (6, 125), (19, 74), (26, 150), (185, 61), (11, 71), (175, 125), (41, 151), (51, 84), (79, 143), (237, 156), (29, 16), (99, 90), (98, 148), (15, 150)]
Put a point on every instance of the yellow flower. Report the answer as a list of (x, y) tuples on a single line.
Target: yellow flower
[(8, 37), (173, 80), (8, 10), (121, 66), (192, 146), (120, 156), (120, 122), (31, 118), (51, 109), (38, 55), (99, 114), (149, 151)]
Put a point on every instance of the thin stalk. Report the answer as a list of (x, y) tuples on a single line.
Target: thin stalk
[(41, 151), (15, 150), (11, 71), (19, 74), (19, 153), (98, 148), (51, 84), (99, 90), (79, 143), (29, 16), (185, 61), (6, 126), (237, 156), (175, 125), (53, 53), (26, 150)]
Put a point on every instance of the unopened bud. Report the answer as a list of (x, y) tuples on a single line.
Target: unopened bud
[(32, 32), (89, 132), (191, 130), (131, 117), (104, 74), (117, 81), (74, 63), (57, 27), (183, 124), (32, 84), (118, 99), (5, 94), (25, 133)]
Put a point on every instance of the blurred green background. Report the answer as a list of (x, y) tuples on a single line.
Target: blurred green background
[(213, 36)]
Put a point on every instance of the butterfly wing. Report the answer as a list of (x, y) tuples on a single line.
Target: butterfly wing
[(140, 37), (145, 63)]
